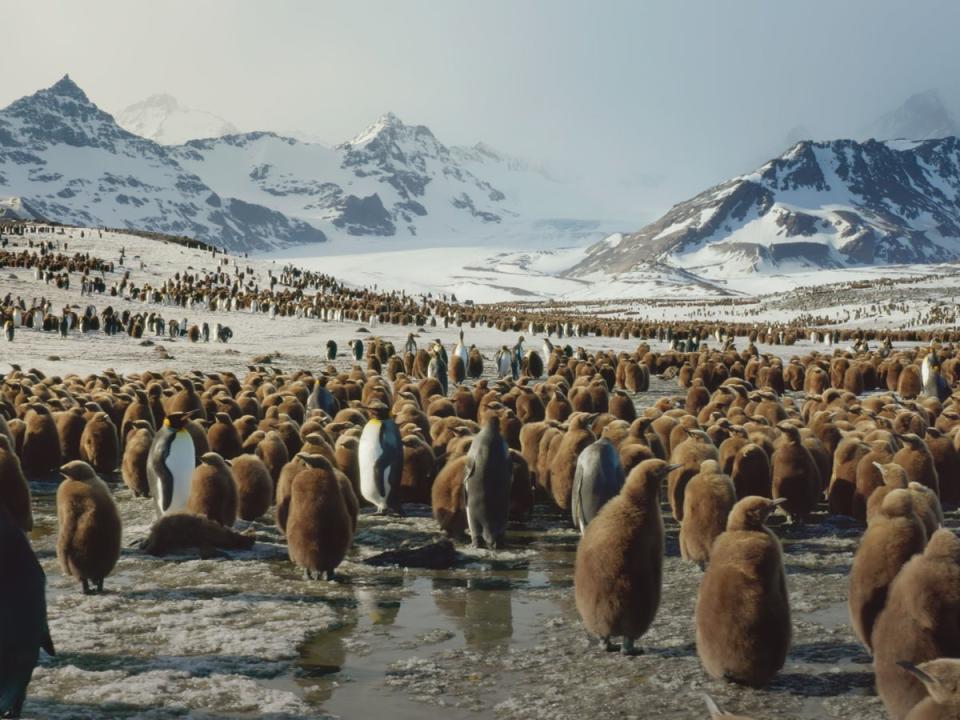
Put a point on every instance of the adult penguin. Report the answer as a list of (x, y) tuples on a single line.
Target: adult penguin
[(23, 616), (441, 351), (598, 478), (437, 368), (381, 459), (486, 485), (171, 463), (516, 358), (504, 362), (331, 350), (411, 345), (322, 399), (460, 350), (357, 347), (934, 385)]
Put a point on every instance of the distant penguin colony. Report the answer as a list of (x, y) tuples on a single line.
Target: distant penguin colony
[(487, 440)]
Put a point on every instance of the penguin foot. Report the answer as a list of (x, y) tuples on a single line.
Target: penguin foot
[(607, 645), (628, 649), (307, 575), (331, 576), (86, 587), (99, 586)]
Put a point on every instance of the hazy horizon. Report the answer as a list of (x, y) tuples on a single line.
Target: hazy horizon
[(654, 101)]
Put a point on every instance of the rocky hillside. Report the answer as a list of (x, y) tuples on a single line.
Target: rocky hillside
[(819, 205), (64, 159)]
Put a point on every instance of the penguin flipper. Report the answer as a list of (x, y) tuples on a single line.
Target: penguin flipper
[(577, 501), (159, 477)]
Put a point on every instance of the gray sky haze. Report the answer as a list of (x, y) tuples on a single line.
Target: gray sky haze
[(678, 94)]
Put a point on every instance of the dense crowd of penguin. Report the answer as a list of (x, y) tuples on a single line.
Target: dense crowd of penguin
[(872, 433), (209, 448)]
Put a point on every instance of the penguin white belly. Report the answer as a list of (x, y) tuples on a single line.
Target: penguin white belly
[(368, 453), (180, 462)]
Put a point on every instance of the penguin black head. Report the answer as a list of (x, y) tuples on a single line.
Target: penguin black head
[(377, 409), (178, 420)]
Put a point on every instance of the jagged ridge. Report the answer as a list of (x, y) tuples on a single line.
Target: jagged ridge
[(819, 205)]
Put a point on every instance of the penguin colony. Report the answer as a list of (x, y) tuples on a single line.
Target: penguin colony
[(874, 436), (207, 448)]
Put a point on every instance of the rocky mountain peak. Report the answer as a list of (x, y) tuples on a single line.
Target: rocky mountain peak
[(67, 88)]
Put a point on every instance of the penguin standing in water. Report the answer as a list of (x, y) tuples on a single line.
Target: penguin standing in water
[(487, 477), (171, 463), (933, 383), (23, 616), (380, 458), (331, 350)]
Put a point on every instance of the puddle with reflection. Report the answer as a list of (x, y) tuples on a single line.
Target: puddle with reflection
[(426, 614)]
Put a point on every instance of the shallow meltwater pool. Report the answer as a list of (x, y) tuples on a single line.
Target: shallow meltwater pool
[(244, 636)]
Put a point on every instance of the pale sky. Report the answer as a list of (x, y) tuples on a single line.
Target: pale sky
[(681, 94)]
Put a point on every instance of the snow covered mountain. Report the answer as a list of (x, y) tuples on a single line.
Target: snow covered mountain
[(164, 120), (390, 179), (67, 160), (64, 159), (820, 205), (922, 116)]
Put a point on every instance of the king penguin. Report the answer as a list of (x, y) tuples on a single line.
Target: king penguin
[(357, 347), (170, 464), (380, 458), (934, 384), (322, 399), (461, 350), (504, 361), (437, 368), (23, 616)]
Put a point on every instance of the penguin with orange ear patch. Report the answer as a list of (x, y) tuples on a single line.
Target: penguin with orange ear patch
[(380, 458)]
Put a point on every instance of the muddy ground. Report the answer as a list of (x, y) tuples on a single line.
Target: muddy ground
[(497, 636)]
